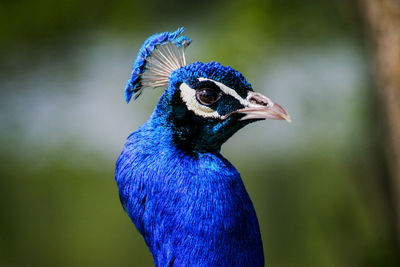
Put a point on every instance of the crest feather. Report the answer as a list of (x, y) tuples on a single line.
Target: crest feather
[(160, 55)]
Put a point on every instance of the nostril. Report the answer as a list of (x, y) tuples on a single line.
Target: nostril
[(258, 99)]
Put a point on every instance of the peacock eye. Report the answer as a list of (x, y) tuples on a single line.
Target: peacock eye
[(208, 96)]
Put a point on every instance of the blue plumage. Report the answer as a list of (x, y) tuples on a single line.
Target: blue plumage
[(184, 197)]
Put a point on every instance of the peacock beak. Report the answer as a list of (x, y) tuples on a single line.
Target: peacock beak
[(261, 107)]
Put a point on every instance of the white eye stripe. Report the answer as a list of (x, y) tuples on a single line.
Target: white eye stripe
[(229, 91), (189, 98)]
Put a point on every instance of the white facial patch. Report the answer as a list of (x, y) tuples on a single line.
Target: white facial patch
[(228, 91), (188, 96)]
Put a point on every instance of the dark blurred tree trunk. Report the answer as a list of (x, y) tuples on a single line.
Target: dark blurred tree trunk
[(383, 18)]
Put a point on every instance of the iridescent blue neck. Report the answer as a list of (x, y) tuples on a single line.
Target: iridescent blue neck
[(191, 208)]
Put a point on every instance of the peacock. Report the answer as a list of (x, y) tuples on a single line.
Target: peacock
[(187, 201)]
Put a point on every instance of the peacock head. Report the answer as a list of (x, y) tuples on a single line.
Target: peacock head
[(204, 103)]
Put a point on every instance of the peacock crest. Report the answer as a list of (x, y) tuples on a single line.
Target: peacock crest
[(161, 54)]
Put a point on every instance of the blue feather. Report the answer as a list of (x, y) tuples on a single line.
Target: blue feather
[(192, 210)]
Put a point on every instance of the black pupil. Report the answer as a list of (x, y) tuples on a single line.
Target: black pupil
[(207, 96)]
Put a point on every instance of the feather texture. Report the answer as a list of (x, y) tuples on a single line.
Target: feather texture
[(160, 55), (164, 60), (191, 210)]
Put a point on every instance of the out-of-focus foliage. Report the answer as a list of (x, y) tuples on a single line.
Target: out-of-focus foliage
[(317, 184), (43, 24)]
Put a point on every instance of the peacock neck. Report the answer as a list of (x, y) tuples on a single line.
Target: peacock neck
[(190, 206)]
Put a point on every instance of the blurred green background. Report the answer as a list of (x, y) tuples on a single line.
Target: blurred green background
[(319, 184)]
